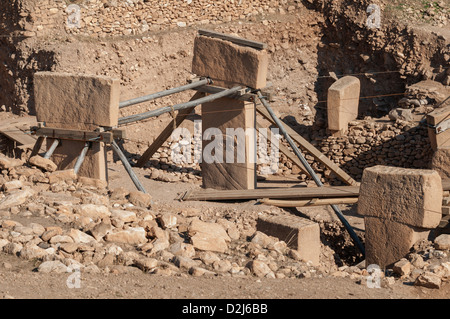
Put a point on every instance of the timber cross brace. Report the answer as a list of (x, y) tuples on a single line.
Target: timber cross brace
[(238, 69)]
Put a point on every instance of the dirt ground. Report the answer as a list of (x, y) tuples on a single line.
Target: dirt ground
[(20, 281), (301, 58)]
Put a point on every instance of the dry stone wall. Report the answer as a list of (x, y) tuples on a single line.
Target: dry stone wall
[(132, 17), (368, 143), (399, 144)]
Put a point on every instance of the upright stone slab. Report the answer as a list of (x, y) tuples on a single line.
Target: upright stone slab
[(386, 242), (220, 120), (441, 161), (94, 165), (229, 64), (400, 206), (409, 196), (342, 105), (298, 233), (82, 102)]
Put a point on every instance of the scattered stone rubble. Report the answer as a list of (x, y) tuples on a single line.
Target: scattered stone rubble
[(101, 230), (121, 231)]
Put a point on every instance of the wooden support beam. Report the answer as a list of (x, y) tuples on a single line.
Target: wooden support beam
[(283, 149), (293, 193), (276, 193), (439, 137), (17, 130), (119, 133), (311, 149), (167, 132), (37, 146), (75, 135), (309, 202)]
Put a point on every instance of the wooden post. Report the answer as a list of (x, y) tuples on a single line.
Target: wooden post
[(37, 146), (309, 203), (165, 134), (308, 147), (284, 150)]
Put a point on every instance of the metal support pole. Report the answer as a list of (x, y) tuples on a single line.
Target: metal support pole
[(182, 106), (310, 171), (51, 149), (154, 96), (127, 166), (81, 158)]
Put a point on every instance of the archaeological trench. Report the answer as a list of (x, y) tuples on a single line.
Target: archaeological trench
[(361, 185)]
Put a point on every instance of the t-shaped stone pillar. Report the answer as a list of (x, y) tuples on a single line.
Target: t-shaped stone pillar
[(229, 62), (78, 102), (400, 206)]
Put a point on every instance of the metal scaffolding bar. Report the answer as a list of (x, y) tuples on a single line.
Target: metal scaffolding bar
[(310, 170), (51, 149), (81, 158), (154, 96), (182, 106), (127, 166)]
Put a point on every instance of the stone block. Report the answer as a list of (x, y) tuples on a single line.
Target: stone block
[(62, 175), (441, 162), (442, 242), (342, 103), (64, 100), (67, 152), (208, 236), (92, 182), (133, 236), (222, 117), (386, 241), (80, 102), (43, 163), (409, 196), (298, 233), (230, 64), (445, 210)]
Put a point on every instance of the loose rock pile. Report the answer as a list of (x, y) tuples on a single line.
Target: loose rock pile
[(96, 229), (428, 264), (77, 222)]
